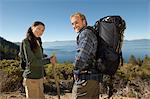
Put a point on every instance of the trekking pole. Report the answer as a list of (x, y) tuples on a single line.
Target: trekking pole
[(55, 77)]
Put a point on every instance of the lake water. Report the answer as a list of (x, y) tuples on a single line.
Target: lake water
[(65, 51)]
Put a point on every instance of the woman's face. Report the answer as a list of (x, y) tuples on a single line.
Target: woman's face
[(38, 30)]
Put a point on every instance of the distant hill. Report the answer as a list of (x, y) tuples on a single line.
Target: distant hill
[(73, 42), (8, 50), (59, 43), (138, 40)]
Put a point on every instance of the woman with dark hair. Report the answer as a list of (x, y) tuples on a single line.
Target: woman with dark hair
[(34, 71)]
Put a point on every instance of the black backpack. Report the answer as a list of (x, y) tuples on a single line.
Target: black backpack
[(109, 31)]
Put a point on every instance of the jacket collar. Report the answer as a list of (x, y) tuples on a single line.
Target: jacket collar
[(82, 29)]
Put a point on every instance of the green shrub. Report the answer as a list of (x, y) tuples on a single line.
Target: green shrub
[(10, 75), (64, 71), (132, 70)]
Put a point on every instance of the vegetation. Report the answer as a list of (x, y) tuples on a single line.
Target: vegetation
[(133, 75), (10, 75), (64, 71), (8, 50), (133, 79)]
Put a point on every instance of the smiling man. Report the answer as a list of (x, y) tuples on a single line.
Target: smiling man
[(86, 76)]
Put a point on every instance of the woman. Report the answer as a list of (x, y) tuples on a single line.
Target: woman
[(34, 71)]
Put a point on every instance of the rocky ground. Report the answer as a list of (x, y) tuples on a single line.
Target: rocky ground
[(122, 89), (17, 95)]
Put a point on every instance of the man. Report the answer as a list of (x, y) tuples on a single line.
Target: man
[(86, 76)]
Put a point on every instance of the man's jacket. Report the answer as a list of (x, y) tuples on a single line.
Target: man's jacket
[(86, 48)]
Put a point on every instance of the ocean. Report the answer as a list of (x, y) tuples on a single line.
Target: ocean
[(65, 50)]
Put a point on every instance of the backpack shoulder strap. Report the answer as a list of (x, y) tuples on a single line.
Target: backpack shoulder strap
[(94, 31), (91, 28), (99, 39)]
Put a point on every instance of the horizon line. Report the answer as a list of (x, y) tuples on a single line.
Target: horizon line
[(75, 40)]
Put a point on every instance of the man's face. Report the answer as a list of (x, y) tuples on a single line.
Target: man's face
[(77, 23)]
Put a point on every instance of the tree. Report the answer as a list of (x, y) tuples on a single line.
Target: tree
[(139, 62), (132, 60), (146, 61)]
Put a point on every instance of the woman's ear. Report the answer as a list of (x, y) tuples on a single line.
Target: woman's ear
[(32, 27)]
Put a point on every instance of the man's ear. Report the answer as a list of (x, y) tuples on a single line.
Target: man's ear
[(84, 22)]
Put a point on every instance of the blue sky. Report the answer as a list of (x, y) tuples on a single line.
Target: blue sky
[(17, 15)]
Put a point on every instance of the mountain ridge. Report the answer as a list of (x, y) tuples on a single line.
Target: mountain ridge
[(75, 40), (8, 49)]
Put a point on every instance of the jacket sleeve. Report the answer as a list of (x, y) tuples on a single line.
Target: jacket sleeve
[(31, 57), (85, 50)]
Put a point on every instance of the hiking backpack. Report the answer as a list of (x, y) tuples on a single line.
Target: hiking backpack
[(109, 31)]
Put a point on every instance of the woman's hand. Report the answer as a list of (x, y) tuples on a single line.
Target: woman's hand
[(53, 60)]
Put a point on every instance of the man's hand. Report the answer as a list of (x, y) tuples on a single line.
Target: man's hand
[(76, 74)]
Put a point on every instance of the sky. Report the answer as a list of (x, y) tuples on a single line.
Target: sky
[(16, 16)]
